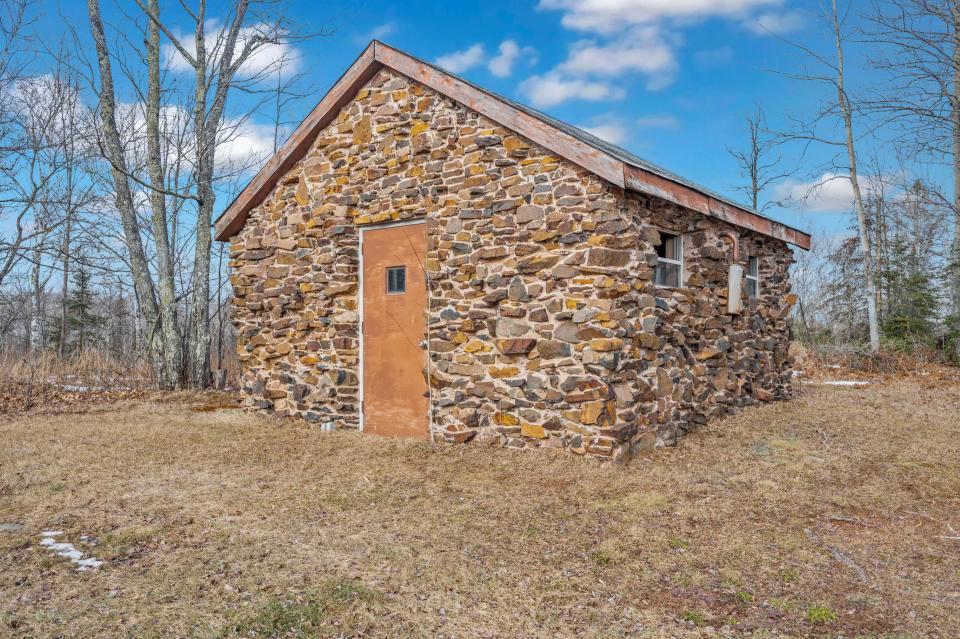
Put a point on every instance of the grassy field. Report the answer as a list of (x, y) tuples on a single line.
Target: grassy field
[(836, 514)]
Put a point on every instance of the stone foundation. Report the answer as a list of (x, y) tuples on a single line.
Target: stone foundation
[(544, 325)]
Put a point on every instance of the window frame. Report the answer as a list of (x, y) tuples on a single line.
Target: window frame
[(664, 236), (755, 278)]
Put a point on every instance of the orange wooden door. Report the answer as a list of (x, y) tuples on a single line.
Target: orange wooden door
[(394, 315)]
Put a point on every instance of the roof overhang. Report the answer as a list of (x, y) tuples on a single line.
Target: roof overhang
[(378, 55)]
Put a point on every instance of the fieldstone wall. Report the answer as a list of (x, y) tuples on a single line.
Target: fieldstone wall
[(544, 326)]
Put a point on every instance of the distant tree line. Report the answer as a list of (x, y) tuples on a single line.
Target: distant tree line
[(892, 281)]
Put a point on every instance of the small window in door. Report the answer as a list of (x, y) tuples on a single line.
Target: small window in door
[(397, 279)]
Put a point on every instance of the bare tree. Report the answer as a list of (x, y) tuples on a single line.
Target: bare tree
[(919, 48), (839, 112), (163, 354), (174, 167), (759, 164)]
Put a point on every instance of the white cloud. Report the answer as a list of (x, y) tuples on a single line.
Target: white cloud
[(591, 65), (775, 23), (640, 37), (268, 57), (830, 193), (246, 145), (658, 122), (642, 50), (501, 65), (552, 89), (460, 61), (381, 31), (611, 16), (713, 58), (612, 132)]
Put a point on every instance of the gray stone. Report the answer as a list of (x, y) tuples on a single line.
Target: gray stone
[(517, 292), (552, 349), (567, 332), (505, 327), (529, 213)]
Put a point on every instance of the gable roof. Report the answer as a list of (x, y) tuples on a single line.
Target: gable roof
[(610, 162)]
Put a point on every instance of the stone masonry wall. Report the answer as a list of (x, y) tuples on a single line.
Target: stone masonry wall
[(544, 327)]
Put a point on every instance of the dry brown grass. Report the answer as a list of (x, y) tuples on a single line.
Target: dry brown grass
[(218, 523)]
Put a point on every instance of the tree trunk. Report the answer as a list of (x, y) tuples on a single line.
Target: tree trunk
[(139, 268), (207, 119), (955, 125), (64, 288), (170, 335), (36, 308), (847, 115)]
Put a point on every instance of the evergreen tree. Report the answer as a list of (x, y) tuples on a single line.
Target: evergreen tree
[(82, 320)]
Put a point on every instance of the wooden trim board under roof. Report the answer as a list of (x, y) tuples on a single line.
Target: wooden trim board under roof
[(378, 55)]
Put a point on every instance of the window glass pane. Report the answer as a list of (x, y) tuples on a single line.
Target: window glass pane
[(669, 247), (396, 279), (667, 274), (753, 268), (751, 286)]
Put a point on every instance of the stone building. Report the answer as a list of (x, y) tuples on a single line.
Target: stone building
[(427, 259)]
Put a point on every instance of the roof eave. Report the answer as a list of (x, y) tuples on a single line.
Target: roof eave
[(644, 181)]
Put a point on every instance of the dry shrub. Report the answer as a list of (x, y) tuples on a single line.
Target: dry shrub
[(849, 360), (46, 380), (87, 368)]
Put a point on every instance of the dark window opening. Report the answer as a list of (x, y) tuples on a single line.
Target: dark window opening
[(397, 279), (669, 270)]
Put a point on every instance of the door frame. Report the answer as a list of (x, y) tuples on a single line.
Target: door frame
[(360, 278)]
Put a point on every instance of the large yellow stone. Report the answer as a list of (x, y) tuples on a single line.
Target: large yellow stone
[(419, 128), (506, 419), (362, 131), (606, 344), (302, 195), (500, 373), (513, 144), (476, 346), (533, 430)]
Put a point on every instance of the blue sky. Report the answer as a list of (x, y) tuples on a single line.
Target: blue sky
[(671, 80)]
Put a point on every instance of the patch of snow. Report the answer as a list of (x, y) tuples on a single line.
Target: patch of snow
[(844, 382), (68, 551), (88, 564)]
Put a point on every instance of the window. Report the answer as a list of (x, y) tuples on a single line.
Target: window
[(397, 279), (669, 271), (753, 277)]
